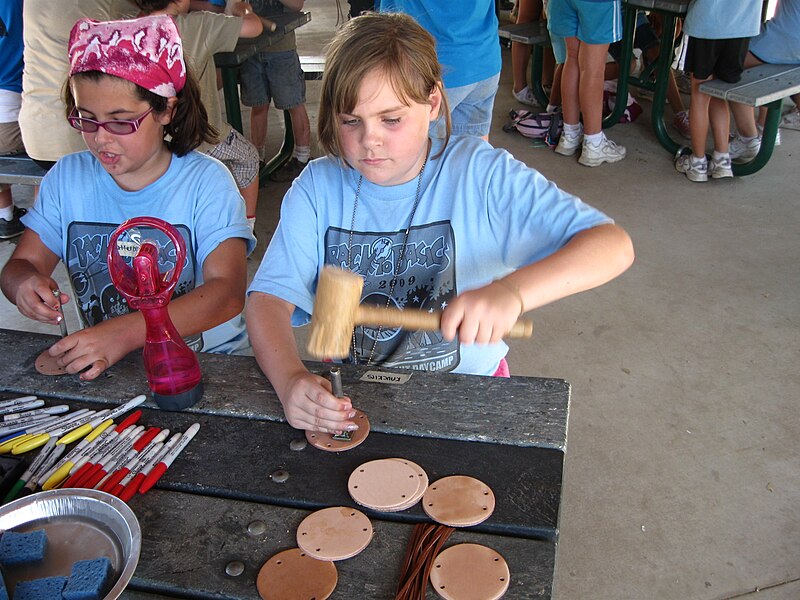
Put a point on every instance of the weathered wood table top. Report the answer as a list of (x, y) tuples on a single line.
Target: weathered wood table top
[(509, 433)]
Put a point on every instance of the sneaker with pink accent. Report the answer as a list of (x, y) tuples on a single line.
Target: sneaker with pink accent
[(695, 169), (681, 123)]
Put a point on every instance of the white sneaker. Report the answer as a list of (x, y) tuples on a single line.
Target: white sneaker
[(695, 170), (569, 144), (525, 96), (791, 120), (721, 167), (743, 151), (607, 152)]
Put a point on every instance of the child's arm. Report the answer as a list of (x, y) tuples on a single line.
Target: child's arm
[(26, 279), (591, 258), (306, 398), (252, 24), (295, 5)]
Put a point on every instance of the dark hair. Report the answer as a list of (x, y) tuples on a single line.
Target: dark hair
[(148, 6), (393, 43), (189, 126)]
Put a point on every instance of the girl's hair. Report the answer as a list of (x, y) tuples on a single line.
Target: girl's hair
[(189, 126), (392, 43), (148, 6)]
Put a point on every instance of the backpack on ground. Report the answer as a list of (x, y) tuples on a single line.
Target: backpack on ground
[(544, 126)]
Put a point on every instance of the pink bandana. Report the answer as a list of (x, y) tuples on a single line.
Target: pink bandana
[(147, 51)]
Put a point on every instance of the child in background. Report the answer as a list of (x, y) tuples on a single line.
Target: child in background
[(718, 35), (10, 101), (430, 223), (203, 35), (274, 74), (141, 126)]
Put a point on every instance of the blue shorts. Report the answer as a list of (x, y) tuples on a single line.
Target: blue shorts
[(273, 76), (471, 106), (591, 21)]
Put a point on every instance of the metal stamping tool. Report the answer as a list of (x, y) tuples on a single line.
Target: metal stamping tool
[(63, 322), (336, 388)]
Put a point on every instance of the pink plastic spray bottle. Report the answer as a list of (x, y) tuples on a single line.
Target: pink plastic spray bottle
[(173, 371)]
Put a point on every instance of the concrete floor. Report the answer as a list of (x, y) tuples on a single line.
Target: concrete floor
[(681, 478)]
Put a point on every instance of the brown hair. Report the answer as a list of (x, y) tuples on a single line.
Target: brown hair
[(393, 43), (189, 126)]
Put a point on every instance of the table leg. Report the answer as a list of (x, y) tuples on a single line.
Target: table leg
[(767, 141), (662, 83), (284, 154), (230, 90), (628, 30), (537, 58)]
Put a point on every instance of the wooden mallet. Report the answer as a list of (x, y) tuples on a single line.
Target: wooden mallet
[(337, 310)]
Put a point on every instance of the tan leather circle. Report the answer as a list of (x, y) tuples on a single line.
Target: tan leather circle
[(292, 574), (458, 501), (383, 484), (422, 478), (46, 364), (325, 441), (334, 533), (469, 572)]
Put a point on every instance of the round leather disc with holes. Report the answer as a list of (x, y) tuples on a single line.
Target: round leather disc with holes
[(334, 533), (292, 574), (325, 441), (422, 478), (383, 484), (46, 364), (458, 501), (469, 572)]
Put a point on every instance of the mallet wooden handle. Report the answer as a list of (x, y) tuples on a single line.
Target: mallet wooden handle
[(418, 320)]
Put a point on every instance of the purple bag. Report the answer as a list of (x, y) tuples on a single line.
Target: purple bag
[(544, 126)]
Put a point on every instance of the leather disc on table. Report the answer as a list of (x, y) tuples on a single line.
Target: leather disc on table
[(325, 441), (46, 364), (458, 501), (469, 572), (383, 484), (422, 477), (292, 574), (334, 533)]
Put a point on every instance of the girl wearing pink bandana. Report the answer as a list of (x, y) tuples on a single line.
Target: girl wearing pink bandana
[(139, 112)]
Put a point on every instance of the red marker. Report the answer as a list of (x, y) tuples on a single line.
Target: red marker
[(154, 435), (134, 480), (148, 456), (119, 447), (162, 466)]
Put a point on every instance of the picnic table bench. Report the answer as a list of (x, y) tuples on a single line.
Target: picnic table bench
[(536, 35), (508, 432), (762, 85), (20, 169)]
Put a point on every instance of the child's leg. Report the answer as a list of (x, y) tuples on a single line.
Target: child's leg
[(529, 11), (258, 127), (720, 119), (591, 59), (698, 124), (301, 127), (570, 77)]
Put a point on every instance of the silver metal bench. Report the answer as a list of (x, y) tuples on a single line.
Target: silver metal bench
[(20, 170)]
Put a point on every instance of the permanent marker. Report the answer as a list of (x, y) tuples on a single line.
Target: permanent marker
[(135, 483), (165, 462), (151, 453), (43, 453), (142, 446), (15, 408), (47, 410), (44, 467), (56, 432), (4, 403)]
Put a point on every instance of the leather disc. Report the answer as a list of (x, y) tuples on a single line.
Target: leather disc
[(334, 533), (292, 574), (469, 572), (325, 441), (422, 478), (46, 364), (383, 484), (458, 501)]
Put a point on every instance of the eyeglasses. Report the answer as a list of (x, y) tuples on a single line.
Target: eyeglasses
[(118, 127)]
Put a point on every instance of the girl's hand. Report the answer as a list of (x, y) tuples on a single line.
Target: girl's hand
[(483, 315), (91, 351), (309, 404), (35, 299)]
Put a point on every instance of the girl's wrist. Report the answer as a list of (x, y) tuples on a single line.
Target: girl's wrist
[(514, 289)]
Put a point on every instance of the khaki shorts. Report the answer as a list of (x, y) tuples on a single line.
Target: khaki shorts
[(10, 139)]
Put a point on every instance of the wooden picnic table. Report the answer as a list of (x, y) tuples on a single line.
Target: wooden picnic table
[(221, 502)]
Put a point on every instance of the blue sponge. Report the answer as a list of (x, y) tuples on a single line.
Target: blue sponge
[(22, 548), (40, 589), (88, 580)]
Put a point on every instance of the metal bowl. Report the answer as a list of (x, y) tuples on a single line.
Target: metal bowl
[(80, 524)]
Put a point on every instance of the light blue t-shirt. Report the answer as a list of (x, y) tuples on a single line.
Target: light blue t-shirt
[(723, 19), (80, 205), (481, 215), (466, 36), (779, 40)]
